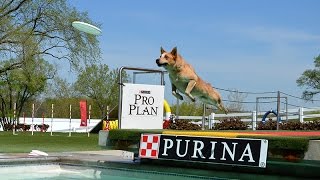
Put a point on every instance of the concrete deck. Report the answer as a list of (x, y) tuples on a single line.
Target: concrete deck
[(313, 152), (86, 156)]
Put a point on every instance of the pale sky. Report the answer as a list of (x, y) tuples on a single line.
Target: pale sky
[(247, 45)]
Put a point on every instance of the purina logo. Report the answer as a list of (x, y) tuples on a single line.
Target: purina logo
[(243, 152), (145, 92), (149, 146)]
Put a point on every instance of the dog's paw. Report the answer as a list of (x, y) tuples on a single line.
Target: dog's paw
[(179, 97), (192, 98)]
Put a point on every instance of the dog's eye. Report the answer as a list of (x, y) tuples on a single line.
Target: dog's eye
[(166, 57)]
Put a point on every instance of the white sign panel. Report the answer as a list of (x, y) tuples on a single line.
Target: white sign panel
[(142, 106)]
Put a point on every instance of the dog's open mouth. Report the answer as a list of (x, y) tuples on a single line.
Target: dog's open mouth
[(159, 64)]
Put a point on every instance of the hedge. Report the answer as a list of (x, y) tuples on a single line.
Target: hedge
[(127, 139)]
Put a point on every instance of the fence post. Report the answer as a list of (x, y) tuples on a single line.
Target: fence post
[(32, 125), (203, 117), (70, 111), (14, 119), (89, 120), (211, 120), (51, 118), (301, 114), (254, 120)]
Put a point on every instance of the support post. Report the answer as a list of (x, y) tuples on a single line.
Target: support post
[(42, 128), (32, 125), (14, 119), (177, 108), (24, 121), (89, 120), (257, 110), (278, 110), (70, 108), (254, 120), (203, 117), (301, 114), (286, 98), (211, 120), (51, 119)]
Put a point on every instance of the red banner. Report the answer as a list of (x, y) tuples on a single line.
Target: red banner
[(83, 112)]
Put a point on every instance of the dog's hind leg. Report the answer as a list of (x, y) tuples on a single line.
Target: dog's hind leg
[(189, 88), (175, 93)]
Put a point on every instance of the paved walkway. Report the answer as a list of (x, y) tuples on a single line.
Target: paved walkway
[(91, 156)]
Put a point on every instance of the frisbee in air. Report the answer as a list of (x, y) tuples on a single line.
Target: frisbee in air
[(87, 28), (37, 153)]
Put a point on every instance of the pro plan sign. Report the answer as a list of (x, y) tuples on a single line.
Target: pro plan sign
[(142, 106), (244, 152)]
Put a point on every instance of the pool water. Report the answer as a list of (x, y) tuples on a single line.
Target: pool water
[(62, 172)]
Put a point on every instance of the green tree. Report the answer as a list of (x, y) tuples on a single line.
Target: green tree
[(100, 84), (60, 88), (188, 109), (33, 34), (17, 86), (45, 27), (310, 79)]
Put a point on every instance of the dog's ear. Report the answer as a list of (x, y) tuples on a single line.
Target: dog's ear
[(162, 50), (174, 51)]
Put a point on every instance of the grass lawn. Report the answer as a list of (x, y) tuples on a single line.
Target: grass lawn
[(59, 142)]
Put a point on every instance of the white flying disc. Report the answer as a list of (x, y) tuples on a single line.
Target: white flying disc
[(37, 153), (85, 27)]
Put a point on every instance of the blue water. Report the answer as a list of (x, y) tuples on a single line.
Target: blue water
[(63, 172), (75, 172)]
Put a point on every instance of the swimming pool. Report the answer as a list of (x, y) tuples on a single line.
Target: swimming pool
[(58, 171), (118, 171)]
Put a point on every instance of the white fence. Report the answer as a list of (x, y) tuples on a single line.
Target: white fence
[(60, 125), (300, 114)]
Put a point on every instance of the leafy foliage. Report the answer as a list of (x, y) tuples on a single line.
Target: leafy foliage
[(100, 84), (188, 109), (43, 28), (33, 34), (290, 125), (184, 125), (311, 80), (268, 125), (233, 123), (20, 85), (124, 138)]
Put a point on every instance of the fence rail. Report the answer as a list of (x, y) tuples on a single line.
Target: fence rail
[(300, 114)]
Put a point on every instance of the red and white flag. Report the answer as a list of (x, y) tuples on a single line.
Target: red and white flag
[(83, 112)]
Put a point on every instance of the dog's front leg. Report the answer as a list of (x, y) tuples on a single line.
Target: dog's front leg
[(189, 88), (175, 93)]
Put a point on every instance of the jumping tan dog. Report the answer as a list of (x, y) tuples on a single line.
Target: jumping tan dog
[(184, 78)]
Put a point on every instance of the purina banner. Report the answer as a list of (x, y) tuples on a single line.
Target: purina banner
[(242, 152), (142, 106), (83, 112)]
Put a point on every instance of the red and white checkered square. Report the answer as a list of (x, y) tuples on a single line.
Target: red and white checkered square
[(149, 146)]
